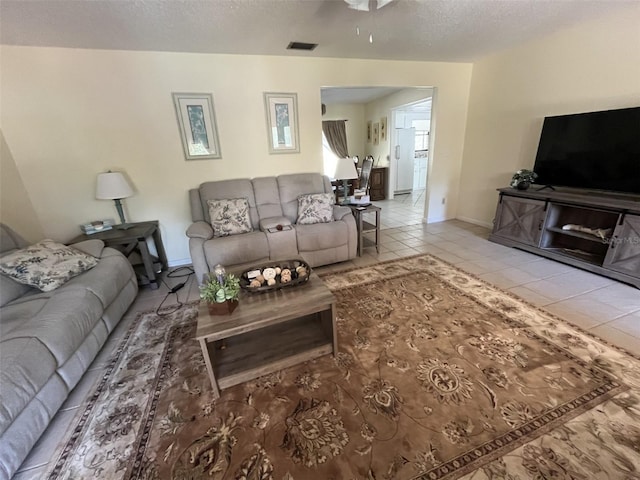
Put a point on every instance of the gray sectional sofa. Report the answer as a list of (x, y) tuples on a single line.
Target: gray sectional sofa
[(272, 201), (48, 340)]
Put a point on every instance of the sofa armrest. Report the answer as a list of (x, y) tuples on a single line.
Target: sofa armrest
[(273, 222), (92, 247), (339, 212), (200, 230)]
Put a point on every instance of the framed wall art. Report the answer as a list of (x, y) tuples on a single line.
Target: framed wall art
[(369, 137), (376, 133), (197, 124), (383, 128), (282, 122)]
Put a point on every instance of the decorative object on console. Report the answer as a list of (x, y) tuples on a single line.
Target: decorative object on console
[(197, 123), (97, 226), (282, 122), (221, 292), (345, 171), (523, 179), (275, 275), (114, 186), (601, 233)]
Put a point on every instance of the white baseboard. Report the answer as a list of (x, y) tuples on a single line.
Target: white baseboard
[(181, 262), (476, 222)]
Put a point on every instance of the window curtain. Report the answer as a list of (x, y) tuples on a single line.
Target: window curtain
[(336, 134)]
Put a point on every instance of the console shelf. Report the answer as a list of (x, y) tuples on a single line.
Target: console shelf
[(534, 221), (570, 233)]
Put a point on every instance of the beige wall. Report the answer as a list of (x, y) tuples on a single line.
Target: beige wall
[(68, 114), (16, 209), (595, 66)]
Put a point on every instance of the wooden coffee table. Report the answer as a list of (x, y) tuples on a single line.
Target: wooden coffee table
[(267, 332)]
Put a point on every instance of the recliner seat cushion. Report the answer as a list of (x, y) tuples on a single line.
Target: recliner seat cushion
[(62, 324), (27, 366), (107, 279), (321, 236), (236, 249)]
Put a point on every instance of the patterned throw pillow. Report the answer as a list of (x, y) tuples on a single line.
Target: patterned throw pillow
[(229, 216), (46, 265), (315, 208)]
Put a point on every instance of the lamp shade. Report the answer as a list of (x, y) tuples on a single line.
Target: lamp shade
[(112, 185), (345, 169)]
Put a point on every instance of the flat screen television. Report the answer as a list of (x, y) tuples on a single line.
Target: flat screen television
[(596, 150)]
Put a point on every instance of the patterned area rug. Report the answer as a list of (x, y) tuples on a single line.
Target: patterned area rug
[(439, 376)]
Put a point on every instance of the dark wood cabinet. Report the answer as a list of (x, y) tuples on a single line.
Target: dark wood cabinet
[(593, 231), (378, 183)]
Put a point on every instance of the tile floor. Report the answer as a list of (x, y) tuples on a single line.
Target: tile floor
[(605, 307)]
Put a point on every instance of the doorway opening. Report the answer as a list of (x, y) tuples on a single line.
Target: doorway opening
[(370, 114), (410, 156)]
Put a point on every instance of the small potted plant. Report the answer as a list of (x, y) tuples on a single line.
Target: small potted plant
[(523, 179), (221, 293)]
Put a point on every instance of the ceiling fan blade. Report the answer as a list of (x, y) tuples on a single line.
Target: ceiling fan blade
[(382, 3), (360, 5), (363, 5)]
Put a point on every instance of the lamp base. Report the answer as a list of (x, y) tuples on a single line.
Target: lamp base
[(345, 190), (123, 226)]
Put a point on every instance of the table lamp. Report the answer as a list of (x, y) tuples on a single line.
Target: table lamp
[(114, 186), (345, 170)]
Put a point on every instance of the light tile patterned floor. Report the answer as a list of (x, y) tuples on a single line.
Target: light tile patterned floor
[(605, 307)]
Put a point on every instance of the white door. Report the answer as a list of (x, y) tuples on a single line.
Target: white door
[(405, 152)]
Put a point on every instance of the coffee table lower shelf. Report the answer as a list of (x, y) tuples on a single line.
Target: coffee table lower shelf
[(237, 359)]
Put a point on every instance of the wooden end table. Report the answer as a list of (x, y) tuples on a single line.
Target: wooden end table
[(132, 239), (267, 332), (365, 227)]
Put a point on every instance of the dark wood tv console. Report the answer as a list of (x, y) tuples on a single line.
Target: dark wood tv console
[(594, 231)]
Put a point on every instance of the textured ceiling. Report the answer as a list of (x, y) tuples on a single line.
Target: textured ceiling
[(432, 30)]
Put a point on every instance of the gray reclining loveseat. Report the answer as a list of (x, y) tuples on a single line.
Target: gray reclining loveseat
[(275, 232)]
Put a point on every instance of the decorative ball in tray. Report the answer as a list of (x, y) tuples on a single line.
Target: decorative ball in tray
[(275, 275)]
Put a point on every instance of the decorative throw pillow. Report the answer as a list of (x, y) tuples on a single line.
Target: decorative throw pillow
[(315, 208), (46, 265), (229, 216)]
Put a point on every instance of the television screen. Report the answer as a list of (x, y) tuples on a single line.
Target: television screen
[(597, 150)]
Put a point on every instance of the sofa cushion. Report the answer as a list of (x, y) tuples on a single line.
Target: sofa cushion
[(61, 324), (229, 216), (315, 208), (236, 249), (107, 279), (321, 236), (46, 265), (221, 189), (10, 289), (267, 197), (291, 186), (28, 365)]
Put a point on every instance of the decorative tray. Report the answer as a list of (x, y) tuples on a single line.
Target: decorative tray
[(256, 279)]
